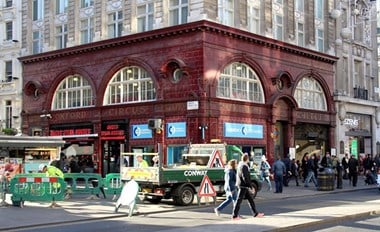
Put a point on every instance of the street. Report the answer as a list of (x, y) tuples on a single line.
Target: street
[(203, 218)]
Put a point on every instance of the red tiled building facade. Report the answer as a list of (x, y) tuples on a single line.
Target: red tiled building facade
[(185, 64)]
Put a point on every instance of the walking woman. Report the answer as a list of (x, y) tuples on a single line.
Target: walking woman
[(229, 186)]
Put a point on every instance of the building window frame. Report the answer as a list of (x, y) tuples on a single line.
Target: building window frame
[(8, 70), (37, 41), (130, 85), (115, 24), (178, 12), (253, 13), (86, 3), (145, 16), (61, 36), (226, 12), (61, 6), (9, 30), (8, 114), (87, 30), (38, 10), (240, 82), (310, 95), (8, 3), (73, 92)]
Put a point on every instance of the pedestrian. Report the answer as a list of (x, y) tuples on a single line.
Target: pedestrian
[(265, 172), (52, 171), (141, 163), (311, 171), (229, 186), (353, 167), (243, 181), (294, 171), (345, 166), (279, 171), (287, 163), (304, 166)]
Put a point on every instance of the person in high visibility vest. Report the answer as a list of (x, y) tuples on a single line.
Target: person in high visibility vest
[(52, 171)]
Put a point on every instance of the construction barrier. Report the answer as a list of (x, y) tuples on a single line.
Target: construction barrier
[(112, 184), (36, 187), (84, 183)]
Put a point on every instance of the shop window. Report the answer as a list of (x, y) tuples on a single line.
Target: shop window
[(341, 147)]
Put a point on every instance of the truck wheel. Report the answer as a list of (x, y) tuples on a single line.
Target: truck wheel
[(185, 196), (253, 192)]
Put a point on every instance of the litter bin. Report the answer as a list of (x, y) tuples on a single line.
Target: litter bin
[(326, 179)]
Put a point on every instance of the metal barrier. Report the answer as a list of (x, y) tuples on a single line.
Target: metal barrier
[(36, 187), (84, 183), (112, 184)]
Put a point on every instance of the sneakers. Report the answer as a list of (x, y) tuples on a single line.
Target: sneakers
[(216, 212), (259, 215)]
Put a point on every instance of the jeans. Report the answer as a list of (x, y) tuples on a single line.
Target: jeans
[(310, 176), (231, 197), (278, 180)]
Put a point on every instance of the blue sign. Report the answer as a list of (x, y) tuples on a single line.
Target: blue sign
[(239, 130), (141, 131), (176, 129)]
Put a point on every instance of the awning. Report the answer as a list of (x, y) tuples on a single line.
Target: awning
[(30, 141)]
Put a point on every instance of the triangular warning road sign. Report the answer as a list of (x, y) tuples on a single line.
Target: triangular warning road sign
[(216, 160), (206, 189)]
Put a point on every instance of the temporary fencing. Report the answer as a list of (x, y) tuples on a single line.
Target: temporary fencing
[(112, 184), (36, 187), (84, 183)]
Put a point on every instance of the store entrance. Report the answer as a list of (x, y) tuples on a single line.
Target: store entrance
[(111, 156)]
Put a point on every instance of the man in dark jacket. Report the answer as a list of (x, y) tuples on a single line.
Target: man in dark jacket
[(353, 166), (279, 171), (244, 184)]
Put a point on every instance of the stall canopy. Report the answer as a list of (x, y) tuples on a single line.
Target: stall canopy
[(8, 142)]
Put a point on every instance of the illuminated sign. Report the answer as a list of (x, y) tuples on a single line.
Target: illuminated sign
[(239, 130), (141, 131), (176, 129)]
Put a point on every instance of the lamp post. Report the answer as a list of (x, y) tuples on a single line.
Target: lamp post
[(203, 129)]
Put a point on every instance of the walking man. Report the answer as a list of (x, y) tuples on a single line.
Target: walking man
[(279, 171)]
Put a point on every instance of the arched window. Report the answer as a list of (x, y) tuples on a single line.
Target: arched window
[(130, 84), (73, 92), (309, 94), (239, 82)]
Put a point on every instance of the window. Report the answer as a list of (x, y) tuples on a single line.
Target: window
[(254, 16), (145, 17), (8, 3), (87, 30), (226, 12), (309, 94), (300, 6), (131, 84), (300, 34), (37, 42), (38, 10), (319, 21), (178, 10), (61, 37), (9, 30), (61, 6), (8, 71), (278, 20), (115, 24), (86, 3), (8, 114), (73, 92), (239, 82)]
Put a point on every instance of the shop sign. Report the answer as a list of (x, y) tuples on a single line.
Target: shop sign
[(71, 131), (240, 130), (176, 129), (141, 131), (352, 123)]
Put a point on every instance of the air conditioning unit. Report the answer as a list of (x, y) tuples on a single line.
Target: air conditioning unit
[(155, 124)]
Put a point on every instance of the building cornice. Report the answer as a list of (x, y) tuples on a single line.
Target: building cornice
[(180, 30)]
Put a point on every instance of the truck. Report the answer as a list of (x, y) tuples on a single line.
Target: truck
[(181, 181)]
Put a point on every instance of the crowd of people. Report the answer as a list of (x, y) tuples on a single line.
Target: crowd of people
[(74, 164)]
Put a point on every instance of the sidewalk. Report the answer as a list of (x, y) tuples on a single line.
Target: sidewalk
[(81, 208)]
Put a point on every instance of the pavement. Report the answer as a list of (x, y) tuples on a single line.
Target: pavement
[(81, 208)]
